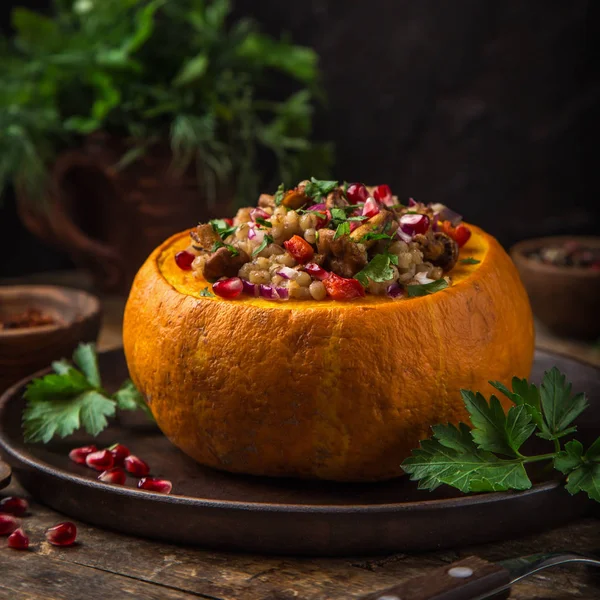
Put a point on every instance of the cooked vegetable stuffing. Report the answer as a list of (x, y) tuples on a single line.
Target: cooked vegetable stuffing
[(323, 240)]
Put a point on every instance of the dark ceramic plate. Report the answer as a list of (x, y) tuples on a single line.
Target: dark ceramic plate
[(282, 516)]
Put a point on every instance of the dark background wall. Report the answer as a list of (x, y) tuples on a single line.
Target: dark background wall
[(490, 107)]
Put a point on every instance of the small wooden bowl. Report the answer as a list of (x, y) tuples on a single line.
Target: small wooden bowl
[(23, 351), (565, 299)]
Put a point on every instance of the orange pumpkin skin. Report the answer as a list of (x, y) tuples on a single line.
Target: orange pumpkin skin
[(330, 390)]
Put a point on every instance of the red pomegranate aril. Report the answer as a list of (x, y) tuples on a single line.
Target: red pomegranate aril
[(357, 193), (14, 506), (228, 288), (370, 209), (151, 484), (115, 475), (18, 540), (412, 202), (229, 222), (323, 221), (413, 224), (383, 194), (8, 524), (101, 460), (184, 260), (136, 466), (119, 453), (63, 534), (78, 455), (316, 271)]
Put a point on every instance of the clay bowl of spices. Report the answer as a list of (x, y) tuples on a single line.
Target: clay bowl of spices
[(39, 324), (562, 277)]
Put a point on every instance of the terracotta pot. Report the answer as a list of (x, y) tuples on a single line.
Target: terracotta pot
[(108, 219), (565, 299)]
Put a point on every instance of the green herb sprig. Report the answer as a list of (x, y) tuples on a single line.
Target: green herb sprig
[(424, 289), (378, 270), (60, 403), (488, 457)]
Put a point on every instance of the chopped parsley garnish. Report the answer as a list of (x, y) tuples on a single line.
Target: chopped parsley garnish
[(375, 236), (279, 194), (266, 241), (342, 229), (316, 188), (424, 289), (221, 227), (378, 270), (263, 222), (469, 261), (234, 251), (206, 294)]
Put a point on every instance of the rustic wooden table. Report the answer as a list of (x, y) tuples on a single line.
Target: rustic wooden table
[(107, 565)]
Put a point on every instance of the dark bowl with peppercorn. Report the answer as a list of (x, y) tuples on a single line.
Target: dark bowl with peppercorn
[(562, 277), (39, 324)]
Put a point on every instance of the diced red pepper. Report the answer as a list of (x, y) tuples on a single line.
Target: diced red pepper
[(342, 288), (459, 234), (300, 249)]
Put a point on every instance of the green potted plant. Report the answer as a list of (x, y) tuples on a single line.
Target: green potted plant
[(123, 121)]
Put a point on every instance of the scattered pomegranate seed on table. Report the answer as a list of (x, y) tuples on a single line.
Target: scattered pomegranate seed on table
[(63, 534), (184, 260), (151, 484), (18, 540), (136, 466), (7, 524), (101, 460), (120, 453), (115, 475), (14, 506), (79, 455)]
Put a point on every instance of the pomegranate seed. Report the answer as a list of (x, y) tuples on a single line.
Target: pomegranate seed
[(14, 506), (413, 224), (229, 222), (101, 460), (354, 225), (7, 524), (316, 271), (228, 288), (383, 194), (18, 540), (63, 534), (136, 466), (162, 486), (323, 221), (116, 475), (412, 202), (184, 260), (119, 453), (356, 193), (370, 209), (78, 454)]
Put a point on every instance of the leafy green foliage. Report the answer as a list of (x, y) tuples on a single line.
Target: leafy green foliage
[(469, 261), (466, 458), (152, 71), (379, 269), (316, 189), (266, 241), (342, 229), (424, 289), (205, 293), (62, 402)]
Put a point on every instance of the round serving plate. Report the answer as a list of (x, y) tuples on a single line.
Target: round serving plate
[(282, 516)]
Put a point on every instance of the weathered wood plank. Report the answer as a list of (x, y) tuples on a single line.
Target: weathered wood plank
[(229, 576)]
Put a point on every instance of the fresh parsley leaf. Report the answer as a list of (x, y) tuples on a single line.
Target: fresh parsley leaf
[(129, 398), (264, 222), (582, 470), (279, 194), (338, 214), (451, 457), (266, 241), (469, 261), (64, 401), (378, 270), (375, 236), (206, 293), (559, 408), (527, 395), (232, 249), (423, 289), (221, 227), (216, 246), (342, 229), (316, 188), (357, 218), (493, 430), (345, 187)]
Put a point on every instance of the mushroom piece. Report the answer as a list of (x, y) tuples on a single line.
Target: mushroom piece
[(375, 224), (204, 237), (223, 263), (439, 249), (296, 198), (243, 215), (336, 199), (266, 201), (343, 256)]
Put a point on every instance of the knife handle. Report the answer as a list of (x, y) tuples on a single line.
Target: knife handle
[(462, 580)]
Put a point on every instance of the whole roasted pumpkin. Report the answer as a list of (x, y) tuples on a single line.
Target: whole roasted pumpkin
[(332, 390)]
